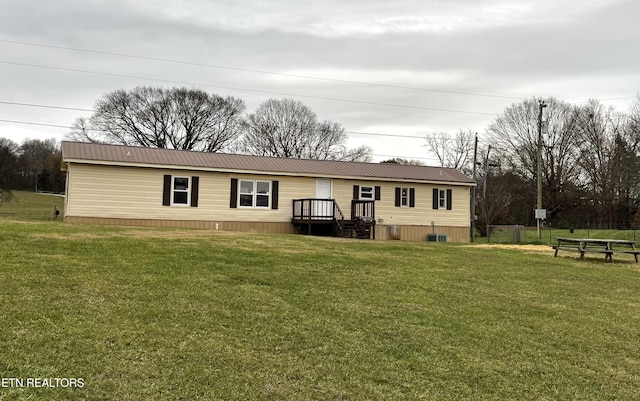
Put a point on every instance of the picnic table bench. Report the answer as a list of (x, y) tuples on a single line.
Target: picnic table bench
[(604, 246)]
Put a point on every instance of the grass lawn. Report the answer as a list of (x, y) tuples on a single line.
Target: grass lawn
[(166, 314), (548, 235), (31, 206)]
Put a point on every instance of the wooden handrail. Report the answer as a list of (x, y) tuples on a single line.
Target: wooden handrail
[(363, 208), (315, 209)]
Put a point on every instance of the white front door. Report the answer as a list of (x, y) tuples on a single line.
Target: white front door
[(324, 189)]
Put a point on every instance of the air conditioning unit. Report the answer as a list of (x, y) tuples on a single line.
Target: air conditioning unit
[(437, 237)]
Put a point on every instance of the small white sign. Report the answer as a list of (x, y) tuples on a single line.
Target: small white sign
[(541, 214)]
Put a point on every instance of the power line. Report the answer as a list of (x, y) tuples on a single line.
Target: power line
[(391, 135), (92, 110), (166, 60), (45, 106), (91, 129), (245, 90), (32, 123), (67, 127)]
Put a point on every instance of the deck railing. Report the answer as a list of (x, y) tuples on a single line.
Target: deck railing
[(363, 208), (326, 211), (316, 209)]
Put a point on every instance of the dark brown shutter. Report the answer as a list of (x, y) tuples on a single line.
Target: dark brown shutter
[(412, 197), (233, 198), (274, 194), (195, 188), (398, 194), (449, 199), (356, 192), (166, 191), (377, 189), (436, 199)]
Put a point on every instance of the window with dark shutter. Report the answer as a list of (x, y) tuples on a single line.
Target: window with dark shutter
[(412, 197), (398, 193), (233, 197), (377, 193), (195, 188), (275, 187), (449, 199), (436, 197), (356, 192), (166, 191)]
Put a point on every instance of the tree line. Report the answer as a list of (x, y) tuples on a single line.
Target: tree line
[(590, 152), (192, 119), (590, 164), (33, 165)]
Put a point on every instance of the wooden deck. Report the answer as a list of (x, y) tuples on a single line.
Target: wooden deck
[(324, 216)]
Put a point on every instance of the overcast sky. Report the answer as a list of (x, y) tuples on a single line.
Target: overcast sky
[(404, 68)]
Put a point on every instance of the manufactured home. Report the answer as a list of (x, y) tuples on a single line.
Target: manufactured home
[(115, 184)]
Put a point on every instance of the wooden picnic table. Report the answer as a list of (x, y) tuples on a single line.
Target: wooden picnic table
[(604, 246)]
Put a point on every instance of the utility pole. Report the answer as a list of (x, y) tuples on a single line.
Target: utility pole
[(473, 190), (542, 105)]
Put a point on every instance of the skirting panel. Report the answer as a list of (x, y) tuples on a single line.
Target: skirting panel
[(383, 232), (420, 233), (245, 226)]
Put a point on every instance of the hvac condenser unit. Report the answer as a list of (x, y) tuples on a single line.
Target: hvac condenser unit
[(437, 237)]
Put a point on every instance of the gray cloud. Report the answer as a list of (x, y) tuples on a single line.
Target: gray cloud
[(573, 50)]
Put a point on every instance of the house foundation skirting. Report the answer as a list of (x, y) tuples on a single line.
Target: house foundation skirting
[(383, 232), (245, 226), (420, 233)]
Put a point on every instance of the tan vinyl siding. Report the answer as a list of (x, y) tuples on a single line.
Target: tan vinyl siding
[(421, 214), (133, 196), (136, 193)]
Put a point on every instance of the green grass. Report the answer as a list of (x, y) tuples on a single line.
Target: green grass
[(548, 236), (164, 314), (31, 206)]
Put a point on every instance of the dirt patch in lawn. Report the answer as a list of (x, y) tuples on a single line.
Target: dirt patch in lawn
[(544, 249)]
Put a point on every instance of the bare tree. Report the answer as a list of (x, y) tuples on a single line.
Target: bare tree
[(515, 135), (608, 163), (39, 164), (631, 135), (178, 118), (399, 160), (8, 167), (453, 151), (288, 128)]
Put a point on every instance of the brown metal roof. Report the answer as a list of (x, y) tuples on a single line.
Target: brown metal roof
[(131, 155)]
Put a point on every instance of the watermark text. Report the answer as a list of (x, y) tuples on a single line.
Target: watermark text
[(38, 382)]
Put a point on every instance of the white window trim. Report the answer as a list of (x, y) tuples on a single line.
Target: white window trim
[(254, 194), (173, 190), (442, 199), (405, 198), (372, 193)]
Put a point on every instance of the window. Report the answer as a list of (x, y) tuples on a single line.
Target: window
[(366, 192), (442, 199), (180, 191), (254, 194), (404, 196)]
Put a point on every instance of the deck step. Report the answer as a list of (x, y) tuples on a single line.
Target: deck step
[(352, 230)]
